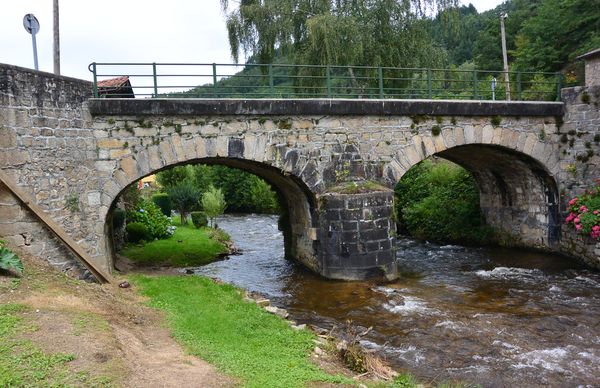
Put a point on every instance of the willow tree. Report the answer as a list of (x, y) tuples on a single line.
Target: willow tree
[(335, 32)]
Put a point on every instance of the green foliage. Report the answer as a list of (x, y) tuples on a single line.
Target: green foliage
[(584, 212), (199, 219), (184, 196), (9, 260), (72, 203), (131, 197), (137, 231), (152, 217), (187, 247), (213, 203), (163, 201), (541, 89), (346, 32), (214, 323), (174, 176), (440, 202), (118, 218)]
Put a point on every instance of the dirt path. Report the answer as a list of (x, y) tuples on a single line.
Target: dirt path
[(109, 330)]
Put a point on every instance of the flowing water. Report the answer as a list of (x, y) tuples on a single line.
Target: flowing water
[(497, 317)]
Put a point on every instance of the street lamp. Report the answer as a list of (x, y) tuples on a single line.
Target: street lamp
[(503, 16)]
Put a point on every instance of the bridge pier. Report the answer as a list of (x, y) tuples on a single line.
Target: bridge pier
[(356, 235)]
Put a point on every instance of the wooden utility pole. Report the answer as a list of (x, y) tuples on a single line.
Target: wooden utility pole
[(56, 39), (504, 56)]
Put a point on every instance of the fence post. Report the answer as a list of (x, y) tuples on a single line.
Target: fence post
[(214, 74), (519, 87), (155, 80), (380, 75), (328, 76), (475, 84), (95, 80), (429, 86), (271, 83)]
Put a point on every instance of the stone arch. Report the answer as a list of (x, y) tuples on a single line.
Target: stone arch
[(515, 171), (277, 168)]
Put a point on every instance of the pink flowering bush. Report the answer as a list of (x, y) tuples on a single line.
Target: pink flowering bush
[(584, 213)]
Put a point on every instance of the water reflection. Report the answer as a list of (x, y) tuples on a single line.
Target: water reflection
[(494, 316)]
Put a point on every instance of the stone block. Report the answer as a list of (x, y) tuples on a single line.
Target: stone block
[(109, 143)]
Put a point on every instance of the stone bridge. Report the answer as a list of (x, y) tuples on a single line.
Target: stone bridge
[(334, 162)]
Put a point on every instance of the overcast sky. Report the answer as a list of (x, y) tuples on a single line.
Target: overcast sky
[(122, 31)]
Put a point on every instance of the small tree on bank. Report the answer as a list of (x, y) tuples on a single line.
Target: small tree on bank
[(213, 202), (184, 197)]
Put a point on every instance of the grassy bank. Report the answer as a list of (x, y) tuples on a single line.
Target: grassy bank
[(214, 323), (188, 246), (23, 364)]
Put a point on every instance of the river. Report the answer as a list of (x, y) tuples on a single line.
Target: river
[(497, 317)]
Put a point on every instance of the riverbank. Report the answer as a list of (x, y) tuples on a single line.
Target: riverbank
[(188, 246), (55, 330)]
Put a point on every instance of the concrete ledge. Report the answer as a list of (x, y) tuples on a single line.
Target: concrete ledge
[(340, 107)]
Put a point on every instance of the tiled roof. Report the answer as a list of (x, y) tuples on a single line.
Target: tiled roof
[(114, 82), (593, 53)]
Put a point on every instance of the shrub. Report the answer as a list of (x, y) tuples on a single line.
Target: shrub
[(152, 217), (584, 213), (137, 231), (163, 201), (199, 219)]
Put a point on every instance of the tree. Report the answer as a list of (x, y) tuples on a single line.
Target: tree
[(173, 176), (184, 197), (213, 203), (335, 32)]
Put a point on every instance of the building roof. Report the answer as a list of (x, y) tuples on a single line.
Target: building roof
[(114, 82), (591, 54)]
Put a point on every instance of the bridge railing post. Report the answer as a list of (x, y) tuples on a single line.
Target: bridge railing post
[(214, 74), (519, 87), (475, 84), (271, 82), (154, 79), (429, 84), (95, 79), (380, 76), (328, 80), (558, 85)]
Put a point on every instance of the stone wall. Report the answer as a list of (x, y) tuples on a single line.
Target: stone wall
[(46, 150), (580, 161)]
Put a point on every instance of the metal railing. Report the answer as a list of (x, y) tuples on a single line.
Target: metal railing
[(212, 80)]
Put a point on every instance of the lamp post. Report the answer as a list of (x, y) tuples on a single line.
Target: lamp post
[(56, 39), (503, 16)]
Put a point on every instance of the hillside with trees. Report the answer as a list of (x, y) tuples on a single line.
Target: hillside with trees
[(542, 36)]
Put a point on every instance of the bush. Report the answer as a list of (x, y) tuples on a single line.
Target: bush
[(152, 217), (137, 231), (584, 213), (199, 219), (163, 201)]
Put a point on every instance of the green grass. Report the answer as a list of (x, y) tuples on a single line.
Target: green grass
[(214, 323), (24, 365), (188, 246)]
